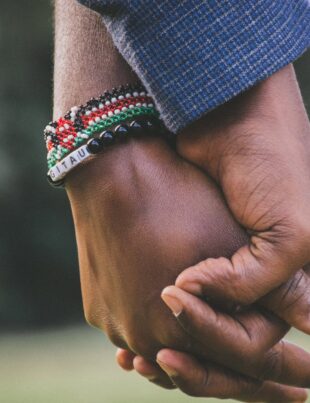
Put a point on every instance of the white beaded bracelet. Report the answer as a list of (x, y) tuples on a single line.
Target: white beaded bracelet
[(61, 169), (101, 122)]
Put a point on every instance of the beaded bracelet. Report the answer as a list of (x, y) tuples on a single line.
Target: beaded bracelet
[(90, 128)]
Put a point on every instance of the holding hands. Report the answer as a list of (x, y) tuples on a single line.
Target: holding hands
[(154, 214), (235, 196), (257, 148), (238, 355)]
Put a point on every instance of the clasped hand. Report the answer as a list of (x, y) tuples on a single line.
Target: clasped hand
[(142, 214)]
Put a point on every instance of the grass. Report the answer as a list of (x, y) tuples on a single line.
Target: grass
[(75, 365)]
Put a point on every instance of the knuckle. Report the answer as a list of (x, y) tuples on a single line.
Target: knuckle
[(212, 264), (99, 319), (198, 385), (220, 268), (294, 290), (225, 276), (248, 352), (204, 267), (116, 339), (246, 357), (162, 383), (189, 389), (244, 388), (93, 317), (194, 393), (95, 311), (230, 274), (271, 368), (298, 233), (251, 390), (303, 226), (143, 346), (177, 338), (205, 384), (291, 301), (170, 337)]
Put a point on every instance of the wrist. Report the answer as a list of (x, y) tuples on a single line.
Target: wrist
[(247, 121), (102, 122), (114, 172)]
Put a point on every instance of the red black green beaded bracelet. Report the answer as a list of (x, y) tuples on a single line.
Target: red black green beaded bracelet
[(92, 127)]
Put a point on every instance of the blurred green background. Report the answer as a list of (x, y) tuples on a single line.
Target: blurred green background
[(47, 353)]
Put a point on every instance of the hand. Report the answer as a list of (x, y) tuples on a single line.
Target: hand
[(244, 342), (138, 224), (257, 148), (176, 369), (141, 215)]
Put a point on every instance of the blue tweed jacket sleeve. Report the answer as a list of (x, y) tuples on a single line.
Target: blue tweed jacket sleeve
[(193, 55)]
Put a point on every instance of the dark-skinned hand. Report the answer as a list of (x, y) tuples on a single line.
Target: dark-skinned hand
[(141, 215), (257, 149), (241, 335)]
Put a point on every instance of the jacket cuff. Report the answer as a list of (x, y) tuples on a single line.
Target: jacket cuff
[(195, 55)]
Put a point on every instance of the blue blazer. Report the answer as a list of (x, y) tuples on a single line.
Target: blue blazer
[(193, 55)]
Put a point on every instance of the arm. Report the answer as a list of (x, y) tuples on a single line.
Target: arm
[(141, 213), (86, 62), (264, 130), (257, 148)]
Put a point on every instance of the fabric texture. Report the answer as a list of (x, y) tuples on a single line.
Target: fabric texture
[(193, 55)]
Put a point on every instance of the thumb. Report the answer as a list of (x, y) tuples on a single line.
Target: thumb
[(244, 279)]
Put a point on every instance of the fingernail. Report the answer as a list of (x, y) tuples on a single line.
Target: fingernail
[(169, 371), (172, 301), (191, 287)]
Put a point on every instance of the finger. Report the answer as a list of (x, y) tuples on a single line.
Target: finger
[(129, 361), (125, 359), (245, 343), (286, 363), (248, 334), (290, 301), (208, 380), (152, 372), (252, 272)]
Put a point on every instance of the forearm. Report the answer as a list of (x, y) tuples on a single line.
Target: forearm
[(86, 61)]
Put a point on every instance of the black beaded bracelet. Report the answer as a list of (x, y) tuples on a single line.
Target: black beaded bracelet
[(142, 126), (91, 128)]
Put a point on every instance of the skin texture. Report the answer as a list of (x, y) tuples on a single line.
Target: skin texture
[(277, 100), (148, 218), (204, 379), (223, 143), (141, 215), (244, 336), (84, 54), (257, 149)]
